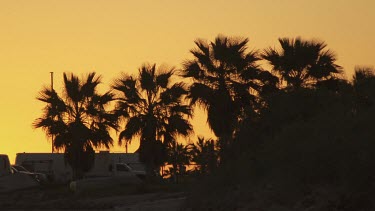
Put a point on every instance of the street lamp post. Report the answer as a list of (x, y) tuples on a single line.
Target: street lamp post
[(52, 90)]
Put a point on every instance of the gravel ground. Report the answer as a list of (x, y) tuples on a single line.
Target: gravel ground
[(60, 198)]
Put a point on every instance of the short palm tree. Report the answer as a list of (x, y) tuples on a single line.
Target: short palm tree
[(178, 157), (78, 120), (154, 111), (204, 154), (302, 63), (227, 82), (364, 86)]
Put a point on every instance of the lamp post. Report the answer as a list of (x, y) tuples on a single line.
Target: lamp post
[(52, 90)]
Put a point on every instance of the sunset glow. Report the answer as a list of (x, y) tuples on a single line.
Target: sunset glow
[(112, 37)]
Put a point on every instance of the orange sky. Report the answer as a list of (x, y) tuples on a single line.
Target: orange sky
[(114, 36)]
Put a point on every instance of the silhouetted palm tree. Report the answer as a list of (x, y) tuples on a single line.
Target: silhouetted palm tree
[(204, 153), (364, 86), (302, 63), (154, 110), (78, 120), (227, 83), (178, 157)]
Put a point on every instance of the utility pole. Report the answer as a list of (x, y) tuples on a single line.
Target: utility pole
[(51, 80), (52, 90)]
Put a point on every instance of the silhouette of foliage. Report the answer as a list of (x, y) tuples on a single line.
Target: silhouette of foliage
[(302, 63), (301, 140), (204, 153), (178, 156), (364, 86), (227, 83), (310, 145), (154, 111), (78, 120)]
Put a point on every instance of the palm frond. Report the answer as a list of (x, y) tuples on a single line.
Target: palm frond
[(182, 110), (201, 94), (192, 69), (163, 79), (133, 128), (72, 88), (147, 77), (88, 88), (173, 94), (179, 126)]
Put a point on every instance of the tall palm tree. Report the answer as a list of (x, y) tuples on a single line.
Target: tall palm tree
[(227, 82), (302, 63), (154, 111), (78, 120)]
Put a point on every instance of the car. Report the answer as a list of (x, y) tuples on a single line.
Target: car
[(39, 177)]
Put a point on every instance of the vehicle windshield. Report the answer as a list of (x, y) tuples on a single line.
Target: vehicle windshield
[(20, 168), (123, 167)]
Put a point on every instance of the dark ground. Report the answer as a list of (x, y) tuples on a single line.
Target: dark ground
[(119, 198)]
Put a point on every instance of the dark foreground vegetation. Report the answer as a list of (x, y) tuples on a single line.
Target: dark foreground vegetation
[(296, 137), (318, 155)]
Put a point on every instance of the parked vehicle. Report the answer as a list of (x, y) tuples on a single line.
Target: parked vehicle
[(123, 169), (39, 177), (52, 165), (10, 181)]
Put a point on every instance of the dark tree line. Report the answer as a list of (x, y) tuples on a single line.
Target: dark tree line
[(243, 102)]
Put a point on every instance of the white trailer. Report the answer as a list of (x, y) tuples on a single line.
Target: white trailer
[(51, 164), (54, 165)]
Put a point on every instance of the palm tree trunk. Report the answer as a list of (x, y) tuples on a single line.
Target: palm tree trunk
[(224, 150)]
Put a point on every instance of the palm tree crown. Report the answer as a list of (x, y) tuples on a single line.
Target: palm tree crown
[(226, 82), (154, 110), (302, 63), (78, 120)]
